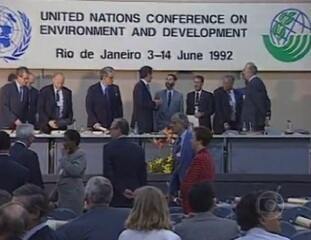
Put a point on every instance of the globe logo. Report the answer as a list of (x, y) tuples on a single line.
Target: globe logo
[(290, 36), (15, 34)]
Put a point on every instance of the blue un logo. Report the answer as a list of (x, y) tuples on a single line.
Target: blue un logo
[(15, 34)]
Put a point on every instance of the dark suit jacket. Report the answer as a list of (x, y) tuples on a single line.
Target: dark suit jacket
[(223, 109), (11, 108), (143, 108), (47, 108), (29, 159), (256, 105), (97, 224), (125, 166), (99, 109), (33, 105), (12, 174), (45, 233), (206, 106)]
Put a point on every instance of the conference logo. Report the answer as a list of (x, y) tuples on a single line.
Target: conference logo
[(15, 34), (290, 36)]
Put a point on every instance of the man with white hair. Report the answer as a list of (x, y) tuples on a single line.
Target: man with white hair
[(100, 221), (21, 153)]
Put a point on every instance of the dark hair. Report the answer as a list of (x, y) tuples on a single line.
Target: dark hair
[(73, 136), (21, 70), (252, 67), (230, 77), (173, 76), (13, 220), (199, 77), (144, 71), (123, 125), (11, 77), (36, 198), (5, 197), (5, 141), (201, 197), (203, 134)]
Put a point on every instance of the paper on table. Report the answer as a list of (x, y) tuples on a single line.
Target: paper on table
[(193, 120)]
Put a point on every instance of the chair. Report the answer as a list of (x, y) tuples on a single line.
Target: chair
[(291, 214), (305, 235), (223, 212), (287, 229), (62, 214)]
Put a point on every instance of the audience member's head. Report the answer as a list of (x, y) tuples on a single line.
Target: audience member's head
[(201, 197), (106, 75), (150, 210), (249, 70), (71, 140), (170, 81), (5, 197), (259, 209), (13, 221), (98, 192), (58, 80), (22, 75), (119, 127), (25, 133), (31, 80), (5, 142), (179, 123), (35, 200), (198, 82), (202, 137), (228, 82), (146, 73), (11, 77)]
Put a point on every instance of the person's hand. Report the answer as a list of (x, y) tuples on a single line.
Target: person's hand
[(198, 114), (158, 102), (227, 126), (17, 122), (97, 126), (129, 194), (53, 124)]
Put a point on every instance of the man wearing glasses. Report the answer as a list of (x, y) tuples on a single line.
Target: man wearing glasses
[(14, 101)]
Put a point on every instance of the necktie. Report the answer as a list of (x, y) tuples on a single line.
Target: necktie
[(57, 99), (21, 94), (169, 98), (197, 98), (232, 105), (109, 107)]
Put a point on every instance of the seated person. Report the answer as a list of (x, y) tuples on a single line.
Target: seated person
[(203, 224), (258, 217)]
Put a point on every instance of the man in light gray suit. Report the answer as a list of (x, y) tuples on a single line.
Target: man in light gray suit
[(172, 102), (204, 225)]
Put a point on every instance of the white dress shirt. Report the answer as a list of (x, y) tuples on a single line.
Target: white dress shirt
[(232, 103), (148, 235), (261, 234), (60, 103)]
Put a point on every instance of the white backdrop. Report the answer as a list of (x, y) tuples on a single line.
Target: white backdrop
[(52, 35)]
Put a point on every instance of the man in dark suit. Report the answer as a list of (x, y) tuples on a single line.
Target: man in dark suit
[(256, 106), (12, 174), (14, 100), (21, 153), (200, 103), (142, 117), (36, 202), (55, 105), (100, 221), (228, 106), (103, 101), (33, 95), (124, 164)]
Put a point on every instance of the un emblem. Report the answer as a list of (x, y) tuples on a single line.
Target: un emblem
[(290, 36), (15, 34)]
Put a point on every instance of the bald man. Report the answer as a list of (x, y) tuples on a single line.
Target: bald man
[(55, 105)]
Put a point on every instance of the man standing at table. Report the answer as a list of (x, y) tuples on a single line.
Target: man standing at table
[(228, 106), (143, 104), (103, 101), (55, 105), (200, 103), (14, 100), (256, 105), (172, 102), (33, 95)]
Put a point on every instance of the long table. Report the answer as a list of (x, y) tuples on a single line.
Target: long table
[(233, 154)]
